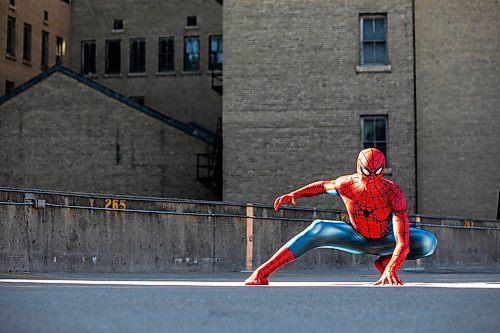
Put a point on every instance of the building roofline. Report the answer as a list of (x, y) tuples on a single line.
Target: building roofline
[(205, 135)]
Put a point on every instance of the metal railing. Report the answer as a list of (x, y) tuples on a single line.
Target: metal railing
[(415, 220)]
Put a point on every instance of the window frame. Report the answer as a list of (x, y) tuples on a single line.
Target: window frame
[(191, 19), (27, 42), (82, 57), (138, 63), (44, 53), (166, 68), (10, 49), (186, 56), (59, 50), (115, 22), (210, 53), (9, 86), (107, 55), (386, 141), (362, 18)]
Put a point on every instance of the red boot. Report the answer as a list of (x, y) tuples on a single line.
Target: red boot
[(261, 274), (381, 263)]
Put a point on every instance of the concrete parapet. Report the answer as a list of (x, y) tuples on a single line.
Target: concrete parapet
[(71, 232)]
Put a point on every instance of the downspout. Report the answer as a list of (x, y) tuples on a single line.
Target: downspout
[(415, 106)]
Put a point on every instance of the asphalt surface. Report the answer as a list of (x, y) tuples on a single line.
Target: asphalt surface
[(201, 302)]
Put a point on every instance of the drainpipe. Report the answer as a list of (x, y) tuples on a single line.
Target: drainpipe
[(415, 105)]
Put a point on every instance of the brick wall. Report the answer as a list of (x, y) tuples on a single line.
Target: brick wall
[(16, 69), (63, 135), (458, 107), (293, 98), (185, 96)]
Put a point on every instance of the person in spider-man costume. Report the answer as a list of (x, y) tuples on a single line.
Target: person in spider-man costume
[(378, 223)]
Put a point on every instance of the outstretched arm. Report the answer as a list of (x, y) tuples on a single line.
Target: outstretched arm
[(310, 190), (401, 227)]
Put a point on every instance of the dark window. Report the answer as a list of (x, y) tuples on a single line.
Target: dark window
[(88, 57), (27, 42), (166, 54), (374, 40), (12, 3), (9, 85), (192, 21), (374, 133), (118, 25), (59, 50), (113, 57), (11, 36), (45, 16), (67, 1), (45, 50), (215, 56), (191, 54), (138, 99), (137, 56)]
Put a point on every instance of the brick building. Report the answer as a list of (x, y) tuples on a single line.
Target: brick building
[(302, 97), (458, 85), (307, 85), (310, 83), (159, 52), (34, 36), (63, 131)]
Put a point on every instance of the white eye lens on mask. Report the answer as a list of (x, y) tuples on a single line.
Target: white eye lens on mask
[(364, 171), (379, 170)]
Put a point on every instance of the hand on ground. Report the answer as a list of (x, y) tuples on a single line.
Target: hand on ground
[(389, 277)]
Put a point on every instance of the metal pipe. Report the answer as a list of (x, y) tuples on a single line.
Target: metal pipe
[(273, 218)]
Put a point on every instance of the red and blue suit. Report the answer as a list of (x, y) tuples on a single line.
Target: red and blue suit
[(378, 223)]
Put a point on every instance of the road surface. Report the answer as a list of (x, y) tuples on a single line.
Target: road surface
[(203, 302)]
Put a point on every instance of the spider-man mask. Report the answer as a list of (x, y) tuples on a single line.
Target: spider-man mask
[(371, 165)]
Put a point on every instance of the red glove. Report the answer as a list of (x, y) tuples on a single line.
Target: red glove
[(283, 200)]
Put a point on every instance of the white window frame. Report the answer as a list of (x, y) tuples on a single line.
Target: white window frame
[(375, 67)]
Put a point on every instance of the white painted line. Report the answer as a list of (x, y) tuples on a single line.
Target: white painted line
[(459, 285)]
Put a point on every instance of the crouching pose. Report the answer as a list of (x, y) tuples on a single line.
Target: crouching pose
[(378, 223)]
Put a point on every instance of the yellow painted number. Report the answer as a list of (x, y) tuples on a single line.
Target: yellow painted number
[(115, 204)]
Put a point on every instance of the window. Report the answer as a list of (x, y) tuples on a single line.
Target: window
[(12, 3), (59, 50), (215, 56), (45, 16), (27, 43), (137, 56), (192, 21), (117, 25), (166, 54), (191, 54), (45, 50), (374, 40), (113, 57), (374, 133), (9, 85), (88, 57), (11, 36)]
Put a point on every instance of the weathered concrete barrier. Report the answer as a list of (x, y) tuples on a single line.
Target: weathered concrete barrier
[(42, 231)]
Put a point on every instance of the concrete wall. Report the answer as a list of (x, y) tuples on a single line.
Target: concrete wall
[(31, 11), (293, 97), (458, 81), (185, 96), (62, 134), (82, 237)]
